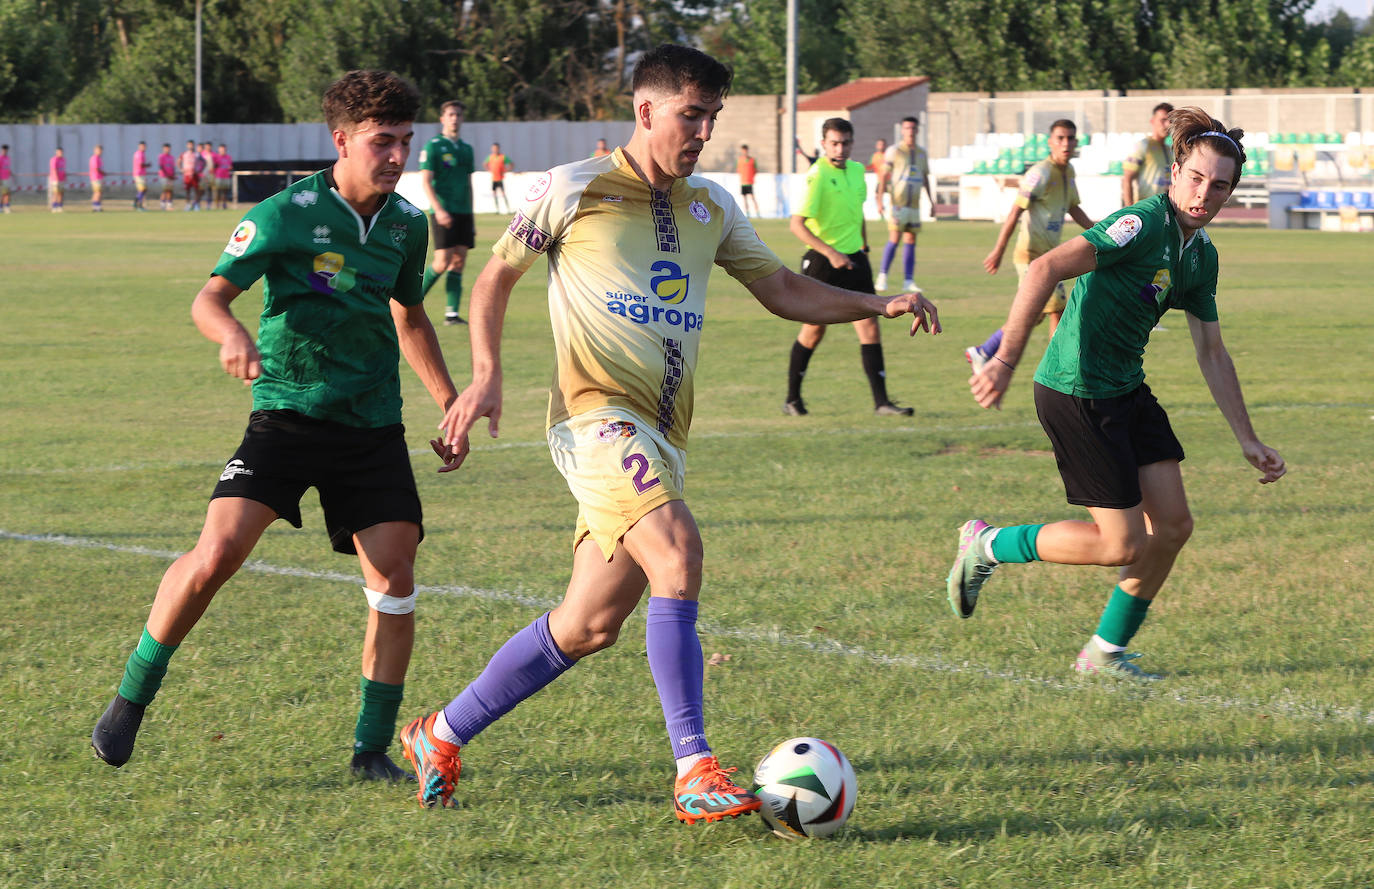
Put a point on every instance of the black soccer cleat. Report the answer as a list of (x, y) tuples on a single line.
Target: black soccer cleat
[(794, 408), (113, 738), (374, 765)]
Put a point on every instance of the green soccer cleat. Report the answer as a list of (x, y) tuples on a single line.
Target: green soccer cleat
[(1093, 661), (972, 567)]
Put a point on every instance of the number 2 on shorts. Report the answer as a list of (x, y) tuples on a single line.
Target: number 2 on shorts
[(639, 465)]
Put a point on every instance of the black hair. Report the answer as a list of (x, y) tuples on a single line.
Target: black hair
[(670, 69)]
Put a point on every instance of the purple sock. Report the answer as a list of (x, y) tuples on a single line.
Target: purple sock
[(527, 662), (908, 261), (888, 252), (993, 344), (677, 665)]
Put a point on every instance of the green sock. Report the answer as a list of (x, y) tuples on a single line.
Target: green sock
[(145, 669), (430, 277), (377, 716), (453, 292), (1016, 543), (1122, 617)]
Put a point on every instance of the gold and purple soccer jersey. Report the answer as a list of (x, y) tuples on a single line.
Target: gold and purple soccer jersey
[(1047, 192), (628, 268), (1151, 158), (908, 169)]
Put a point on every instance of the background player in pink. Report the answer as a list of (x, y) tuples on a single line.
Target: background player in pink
[(190, 179), (6, 179), (97, 174), (140, 171), (167, 174), (57, 179), (224, 170)]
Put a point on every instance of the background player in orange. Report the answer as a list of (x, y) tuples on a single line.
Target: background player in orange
[(498, 165), (748, 169)]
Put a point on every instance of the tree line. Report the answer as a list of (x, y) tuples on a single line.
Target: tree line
[(132, 61)]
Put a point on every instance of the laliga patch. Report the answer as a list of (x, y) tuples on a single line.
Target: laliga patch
[(1124, 229), (241, 238), (699, 212), (539, 187)]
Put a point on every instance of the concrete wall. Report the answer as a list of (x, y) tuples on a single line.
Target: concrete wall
[(755, 121), (531, 145)]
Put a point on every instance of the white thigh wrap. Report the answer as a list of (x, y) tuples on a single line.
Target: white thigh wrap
[(381, 602)]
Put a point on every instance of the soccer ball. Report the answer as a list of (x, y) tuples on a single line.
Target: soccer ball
[(807, 787)]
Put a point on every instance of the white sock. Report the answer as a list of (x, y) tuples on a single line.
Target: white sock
[(444, 732), (1104, 645), (685, 763), (988, 538)]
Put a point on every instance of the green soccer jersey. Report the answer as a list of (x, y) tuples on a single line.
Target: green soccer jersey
[(450, 163), (834, 204), (326, 335), (1144, 268)]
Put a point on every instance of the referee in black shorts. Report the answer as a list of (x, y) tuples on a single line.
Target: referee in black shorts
[(830, 221)]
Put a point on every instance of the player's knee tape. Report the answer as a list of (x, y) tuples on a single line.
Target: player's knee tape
[(384, 604)]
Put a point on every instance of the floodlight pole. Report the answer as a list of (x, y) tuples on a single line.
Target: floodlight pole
[(789, 149), (198, 5)]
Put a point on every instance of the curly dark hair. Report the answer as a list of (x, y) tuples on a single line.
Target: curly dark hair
[(382, 96)]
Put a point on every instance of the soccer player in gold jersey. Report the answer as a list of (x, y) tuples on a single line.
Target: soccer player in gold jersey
[(630, 239)]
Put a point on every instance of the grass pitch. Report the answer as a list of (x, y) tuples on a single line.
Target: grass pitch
[(982, 761)]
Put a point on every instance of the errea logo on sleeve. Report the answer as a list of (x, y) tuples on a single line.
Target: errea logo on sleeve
[(241, 238)]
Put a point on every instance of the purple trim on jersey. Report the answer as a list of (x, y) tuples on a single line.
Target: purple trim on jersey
[(672, 381), (527, 662), (167, 165), (664, 225), (675, 660), (523, 229)]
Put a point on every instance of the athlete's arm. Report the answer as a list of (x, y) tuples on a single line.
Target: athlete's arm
[(1078, 216), (799, 298), (482, 397), (994, 259), (1127, 190), (420, 345), (837, 259), (441, 215), (210, 311), (1068, 260), (1220, 373)]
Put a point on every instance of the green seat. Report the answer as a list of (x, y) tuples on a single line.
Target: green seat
[(1114, 168), (1304, 138), (980, 168)]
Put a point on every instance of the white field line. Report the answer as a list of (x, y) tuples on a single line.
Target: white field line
[(481, 442), (1165, 691)]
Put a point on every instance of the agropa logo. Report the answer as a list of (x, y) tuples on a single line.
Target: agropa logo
[(671, 285)]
